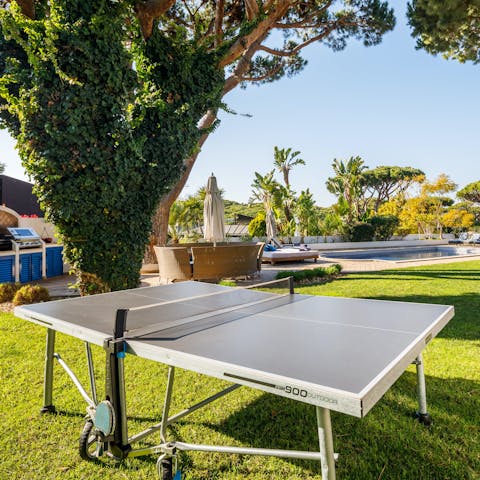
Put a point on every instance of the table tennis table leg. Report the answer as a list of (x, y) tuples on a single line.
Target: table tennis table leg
[(325, 438), (166, 404), (48, 406), (422, 414)]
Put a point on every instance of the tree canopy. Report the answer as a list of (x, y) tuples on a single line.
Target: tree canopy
[(103, 141), (470, 192), (111, 101), (449, 27), (385, 182)]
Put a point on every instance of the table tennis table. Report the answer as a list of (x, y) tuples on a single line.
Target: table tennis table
[(339, 354)]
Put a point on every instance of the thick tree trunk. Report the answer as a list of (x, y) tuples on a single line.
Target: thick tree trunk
[(159, 234)]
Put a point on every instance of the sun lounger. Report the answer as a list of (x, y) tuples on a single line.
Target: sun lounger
[(462, 239), (474, 239), (288, 254)]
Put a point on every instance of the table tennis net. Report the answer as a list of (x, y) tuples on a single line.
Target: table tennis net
[(172, 319)]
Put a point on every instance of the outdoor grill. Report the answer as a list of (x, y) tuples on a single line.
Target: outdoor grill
[(25, 238)]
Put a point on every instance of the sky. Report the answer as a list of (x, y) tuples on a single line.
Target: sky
[(389, 104)]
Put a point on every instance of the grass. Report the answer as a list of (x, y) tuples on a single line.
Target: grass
[(386, 444)]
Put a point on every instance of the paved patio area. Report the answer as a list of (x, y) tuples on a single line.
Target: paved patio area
[(61, 286)]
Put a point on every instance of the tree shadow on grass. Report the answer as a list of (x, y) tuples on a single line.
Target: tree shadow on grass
[(387, 440), (455, 274), (464, 325)]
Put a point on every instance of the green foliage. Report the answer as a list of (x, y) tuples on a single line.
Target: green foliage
[(31, 294), (102, 141), (310, 275), (232, 209), (384, 182), (331, 224), (331, 24), (470, 192), (307, 214), (383, 226), (359, 232), (285, 160), (185, 216), (347, 186), (8, 291), (447, 27), (257, 227)]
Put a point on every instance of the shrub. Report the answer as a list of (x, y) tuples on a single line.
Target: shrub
[(359, 232), (311, 274), (257, 227), (333, 269), (384, 226), (31, 294), (7, 291)]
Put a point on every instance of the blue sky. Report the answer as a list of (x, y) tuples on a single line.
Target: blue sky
[(389, 104)]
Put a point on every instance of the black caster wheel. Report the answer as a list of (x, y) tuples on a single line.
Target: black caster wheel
[(424, 418), (90, 445)]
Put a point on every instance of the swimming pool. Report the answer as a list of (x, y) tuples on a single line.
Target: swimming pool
[(402, 254)]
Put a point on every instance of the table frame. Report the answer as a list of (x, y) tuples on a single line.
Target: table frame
[(118, 443)]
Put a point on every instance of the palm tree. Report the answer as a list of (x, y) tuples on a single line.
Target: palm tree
[(347, 184), (284, 161), (267, 190)]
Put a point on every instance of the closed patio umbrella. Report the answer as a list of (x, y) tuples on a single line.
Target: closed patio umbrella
[(270, 224), (213, 212)]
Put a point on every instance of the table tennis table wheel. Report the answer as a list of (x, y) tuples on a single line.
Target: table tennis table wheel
[(90, 445)]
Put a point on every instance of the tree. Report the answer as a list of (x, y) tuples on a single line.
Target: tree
[(186, 217), (103, 141), (306, 213), (457, 220), (87, 121), (242, 31), (382, 183), (187, 56), (284, 161), (347, 185), (434, 192), (470, 192), (423, 214), (2, 167), (450, 28), (416, 216), (267, 190)]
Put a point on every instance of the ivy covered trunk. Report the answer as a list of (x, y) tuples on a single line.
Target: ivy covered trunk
[(103, 141)]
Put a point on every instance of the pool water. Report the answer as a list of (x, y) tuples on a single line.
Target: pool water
[(404, 254)]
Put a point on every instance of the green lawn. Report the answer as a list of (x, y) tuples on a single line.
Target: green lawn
[(387, 444)]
